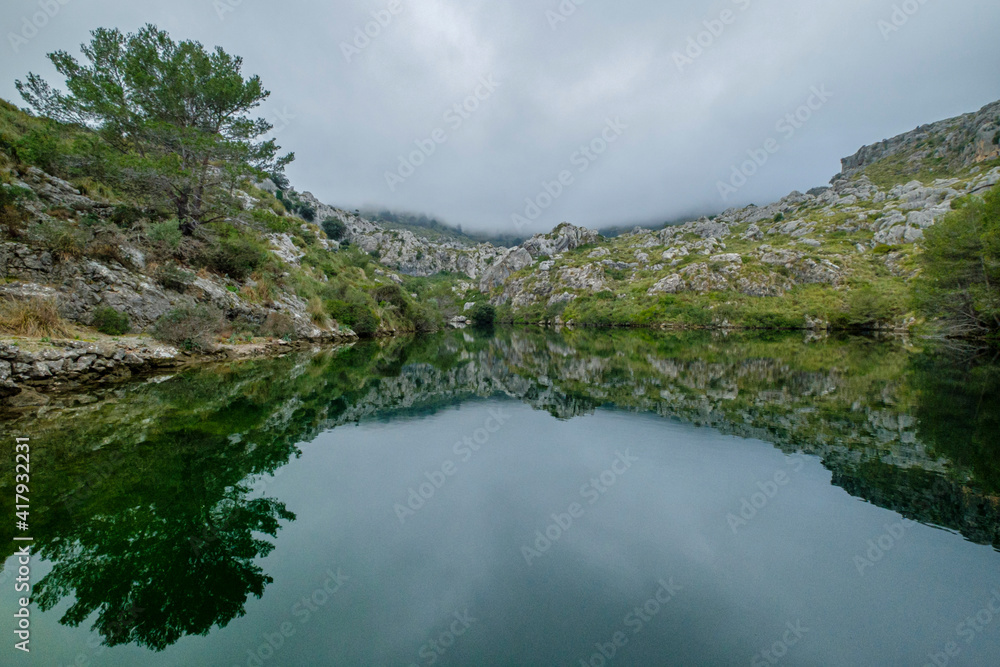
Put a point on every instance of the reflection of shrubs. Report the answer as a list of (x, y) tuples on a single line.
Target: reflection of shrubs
[(109, 321), (484, 315), (190, 326), (278, 325), (174, 278), (236, 258), (32, 317)]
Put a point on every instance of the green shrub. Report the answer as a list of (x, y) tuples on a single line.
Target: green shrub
[(168, 233), (12, 213), (960, 281), (392, 294), (307, 212), (191, 327), (335, 229), (866, 309), (64, 240), (40, 147), (237, 258), (484, 315), (174, 278), (272, 222), (126, 216), (779, 217), (109, 321)]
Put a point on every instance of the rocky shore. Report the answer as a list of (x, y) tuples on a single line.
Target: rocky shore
[(31, 369)]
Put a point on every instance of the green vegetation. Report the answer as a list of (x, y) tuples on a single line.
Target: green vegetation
[(168, 157), (109, 321), (160, 113), (334, 229), (483, 315), (961, 268), (191, 327)]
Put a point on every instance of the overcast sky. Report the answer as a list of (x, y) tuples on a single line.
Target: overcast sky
[(679, 126)]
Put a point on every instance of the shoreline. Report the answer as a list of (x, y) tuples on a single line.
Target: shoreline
[(31, 368)]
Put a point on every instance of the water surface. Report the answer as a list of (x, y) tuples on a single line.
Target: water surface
[(524, 498)]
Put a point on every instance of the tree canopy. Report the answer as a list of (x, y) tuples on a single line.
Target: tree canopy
[(961, 267), (174, 116)]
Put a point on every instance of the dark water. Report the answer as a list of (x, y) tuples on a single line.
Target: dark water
[(526, 498)]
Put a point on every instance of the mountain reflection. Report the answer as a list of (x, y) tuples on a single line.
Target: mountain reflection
[(153, 524)]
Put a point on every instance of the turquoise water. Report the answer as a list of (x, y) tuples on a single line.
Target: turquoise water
[(525, 498)]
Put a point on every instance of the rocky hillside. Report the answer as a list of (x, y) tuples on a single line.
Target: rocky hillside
[(837, 256), (943, 147)]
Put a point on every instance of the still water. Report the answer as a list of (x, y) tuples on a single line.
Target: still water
[(522, 498)]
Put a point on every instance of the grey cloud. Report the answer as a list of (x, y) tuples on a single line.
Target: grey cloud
[(349, 122)]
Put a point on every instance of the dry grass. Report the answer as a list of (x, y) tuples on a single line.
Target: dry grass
[(318, 313), (35, 318)]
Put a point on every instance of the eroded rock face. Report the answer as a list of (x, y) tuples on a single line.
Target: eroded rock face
[(965, 140), (511, 262), (562, 238)]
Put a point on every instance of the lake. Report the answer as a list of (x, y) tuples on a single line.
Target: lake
[(522, 497)]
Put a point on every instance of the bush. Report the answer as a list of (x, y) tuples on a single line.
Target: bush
[(272, 221), (866, 309), (12, 213), (32, 317), (63, 240), (392, 294), (334, 229), (174, 278), (126, 216), (237, 258), (960, 281), (40, 148), (484, 315), (168, 233), (358, 316), (191, 327), (109, 321), (307, 212), (278, 325)]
